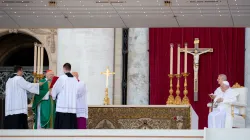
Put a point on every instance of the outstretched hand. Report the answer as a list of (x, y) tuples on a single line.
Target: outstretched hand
[(212, 96), (41, 83), (50, 92)]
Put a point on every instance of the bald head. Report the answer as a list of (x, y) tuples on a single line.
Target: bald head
[(75, 74), (49, 74), (221, 78)]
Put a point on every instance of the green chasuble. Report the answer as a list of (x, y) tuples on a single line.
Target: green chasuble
[(47, 107)]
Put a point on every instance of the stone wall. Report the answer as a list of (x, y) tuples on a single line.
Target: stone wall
[(247, 73), (138, 67), (48, 38), (117, 94), (89, 51)]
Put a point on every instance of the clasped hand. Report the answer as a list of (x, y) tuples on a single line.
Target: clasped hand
[(219, 100)]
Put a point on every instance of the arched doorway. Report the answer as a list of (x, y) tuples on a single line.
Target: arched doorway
[(17, 49)]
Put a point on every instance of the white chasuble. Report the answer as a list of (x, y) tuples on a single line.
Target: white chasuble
[(65, 93), (81, 102), (221, 115), (16, 95)]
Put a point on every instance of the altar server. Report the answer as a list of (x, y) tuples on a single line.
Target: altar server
[(16, 100), (81, 104), (65, 93), (217, 118)]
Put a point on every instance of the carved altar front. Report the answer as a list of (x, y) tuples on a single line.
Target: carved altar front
[(142, 117)]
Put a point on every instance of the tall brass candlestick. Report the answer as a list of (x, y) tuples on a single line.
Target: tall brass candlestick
[(185, 100), (177, 100), (35, 77), (170, 97)]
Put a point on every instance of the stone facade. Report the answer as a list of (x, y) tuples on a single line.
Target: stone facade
[(90, 51), (118, 68), (48, 38), (138, 67), (247, 73)]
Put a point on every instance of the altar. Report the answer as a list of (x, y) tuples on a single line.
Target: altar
[(142, 117)]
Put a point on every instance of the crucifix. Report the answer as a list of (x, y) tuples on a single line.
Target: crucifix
[(196, 52), (107, 73)]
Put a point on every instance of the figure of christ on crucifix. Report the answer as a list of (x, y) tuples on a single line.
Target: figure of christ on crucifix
[(107, 73), (196, 52)]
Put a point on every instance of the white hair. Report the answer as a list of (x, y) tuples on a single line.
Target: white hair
[(223, 76)]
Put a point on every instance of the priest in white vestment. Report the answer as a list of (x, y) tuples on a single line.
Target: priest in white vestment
[(81, 104), (65, 93), (217, 118), (16, 105)]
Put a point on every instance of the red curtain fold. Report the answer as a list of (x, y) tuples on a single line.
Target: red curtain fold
[(227, 58)]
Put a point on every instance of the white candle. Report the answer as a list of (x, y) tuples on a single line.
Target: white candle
[(35, 56), (178, 60), (171, 58), (42, 49), (38, 61), (185, 70)]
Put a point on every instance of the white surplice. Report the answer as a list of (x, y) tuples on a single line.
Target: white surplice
[(65, 92), (16, 95), (81, 103), (217, 118)]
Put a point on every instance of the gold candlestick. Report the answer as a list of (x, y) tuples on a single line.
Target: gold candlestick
[(170, 97), (40, 76), (106, 98), (177, 100), (35, 77), (185, 100)]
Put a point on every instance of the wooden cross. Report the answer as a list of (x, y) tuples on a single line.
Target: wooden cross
[(196, 52), (107, 73)]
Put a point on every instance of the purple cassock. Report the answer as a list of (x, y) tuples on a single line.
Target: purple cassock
[(82, 123), (82, 106)]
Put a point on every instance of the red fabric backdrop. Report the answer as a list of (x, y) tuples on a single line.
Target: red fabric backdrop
[(228, 58)]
